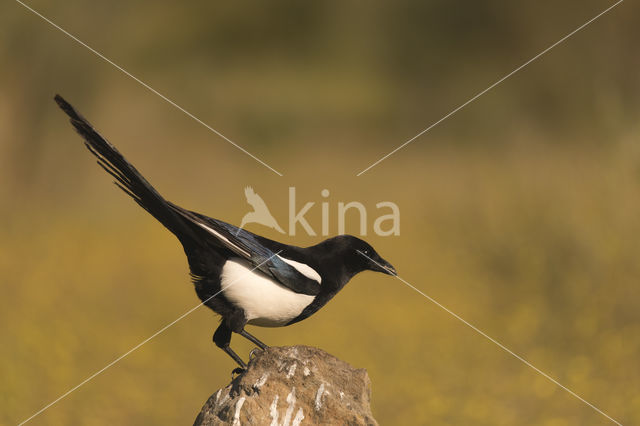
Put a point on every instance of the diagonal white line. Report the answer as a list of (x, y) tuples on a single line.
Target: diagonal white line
[(145, 85), (500, 345), (490, 87), (91, 377)]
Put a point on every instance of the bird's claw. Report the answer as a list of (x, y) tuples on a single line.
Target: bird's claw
[(253, 353), (238, 371)]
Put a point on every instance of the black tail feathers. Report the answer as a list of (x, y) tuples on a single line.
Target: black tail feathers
[(126, 175)]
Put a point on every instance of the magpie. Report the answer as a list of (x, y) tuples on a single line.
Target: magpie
[(244, 277)]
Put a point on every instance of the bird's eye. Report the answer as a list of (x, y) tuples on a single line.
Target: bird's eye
[(365, 251)]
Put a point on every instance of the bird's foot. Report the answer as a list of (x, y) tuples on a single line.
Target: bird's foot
[(238, 371), (254, 352)]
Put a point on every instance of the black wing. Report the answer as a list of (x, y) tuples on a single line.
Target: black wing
[(245, 245)]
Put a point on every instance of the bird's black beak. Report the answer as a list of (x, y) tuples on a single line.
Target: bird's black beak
[(383, 266), (378, 264)]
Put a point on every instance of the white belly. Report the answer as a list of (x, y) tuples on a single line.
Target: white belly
[(266, 302)]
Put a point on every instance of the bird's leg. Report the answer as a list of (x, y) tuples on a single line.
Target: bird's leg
[(222, 338), (237, 321), (252, 339), (236, 358)]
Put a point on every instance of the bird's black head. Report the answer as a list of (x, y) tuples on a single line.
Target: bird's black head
[(356, 255)]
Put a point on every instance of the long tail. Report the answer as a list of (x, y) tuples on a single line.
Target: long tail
[(127, 177)]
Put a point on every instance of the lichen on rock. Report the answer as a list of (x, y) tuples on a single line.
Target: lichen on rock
[(291, 386)]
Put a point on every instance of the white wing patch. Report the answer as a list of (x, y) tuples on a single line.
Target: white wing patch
[(222, 238), (265, 302), (304, 269)]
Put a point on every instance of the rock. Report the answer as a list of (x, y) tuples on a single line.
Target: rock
[(291, 386)]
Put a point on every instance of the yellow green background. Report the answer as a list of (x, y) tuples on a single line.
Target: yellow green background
[(521, 213)]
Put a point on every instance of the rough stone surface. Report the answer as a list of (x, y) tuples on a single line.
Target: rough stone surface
[(291, 386)]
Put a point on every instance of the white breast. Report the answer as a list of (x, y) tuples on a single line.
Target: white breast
[(266, 302)]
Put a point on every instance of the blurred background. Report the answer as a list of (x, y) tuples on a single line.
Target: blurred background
[(520, 213)]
